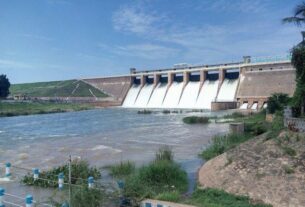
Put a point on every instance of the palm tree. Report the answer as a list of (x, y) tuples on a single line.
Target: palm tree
[(298, 18)]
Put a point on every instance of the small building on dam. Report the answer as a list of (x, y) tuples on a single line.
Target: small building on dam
[(246, 85)]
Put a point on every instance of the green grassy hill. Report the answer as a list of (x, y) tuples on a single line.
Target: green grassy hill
[(67, 88)]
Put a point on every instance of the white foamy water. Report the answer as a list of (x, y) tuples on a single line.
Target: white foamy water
[(144, 96), (265, 106), (131, 96), (227, 90), (207, 94), (244, 106), (157, 96), (173, 95), (189, 96)]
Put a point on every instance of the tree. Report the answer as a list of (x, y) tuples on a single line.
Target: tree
[(298, 18), (298, 58), (4, 86), (277, 102)]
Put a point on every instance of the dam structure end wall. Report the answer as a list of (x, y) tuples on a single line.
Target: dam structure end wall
[(246, 85)]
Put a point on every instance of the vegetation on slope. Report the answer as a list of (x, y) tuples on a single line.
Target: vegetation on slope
[(68, 88), (27, 108)]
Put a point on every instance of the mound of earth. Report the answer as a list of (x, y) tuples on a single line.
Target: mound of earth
[(272, 171)]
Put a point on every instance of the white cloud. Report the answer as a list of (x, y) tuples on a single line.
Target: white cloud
[(205, 42), (134, 19)]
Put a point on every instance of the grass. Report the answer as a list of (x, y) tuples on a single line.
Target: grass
[(289, 151), (122, 170), (219, 198), (67, 88), (254, 125), (222, 143), (27, 108), (234, 115), (80, 173), (196, 120)]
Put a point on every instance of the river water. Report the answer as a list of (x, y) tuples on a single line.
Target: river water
[(103, 137)]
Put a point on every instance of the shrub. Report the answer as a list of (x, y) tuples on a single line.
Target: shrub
[(234, 115), (196, 120), (80, 171), (122, 170), (277, 102), (288, 169), (156, 178)]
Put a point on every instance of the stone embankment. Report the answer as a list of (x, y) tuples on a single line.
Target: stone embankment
[(272, 171)]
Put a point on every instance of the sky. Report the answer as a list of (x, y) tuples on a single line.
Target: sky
[(44, 40)]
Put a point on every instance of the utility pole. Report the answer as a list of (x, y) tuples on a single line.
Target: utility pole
[(70, 160)]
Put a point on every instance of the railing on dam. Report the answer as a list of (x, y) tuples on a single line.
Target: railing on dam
[(270, 59)]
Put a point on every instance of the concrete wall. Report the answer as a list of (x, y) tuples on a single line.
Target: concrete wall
[(257, 83), (116, 87), (218, 106)]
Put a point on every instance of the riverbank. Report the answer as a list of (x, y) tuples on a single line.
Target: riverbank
[(8, 109), (268, 167)]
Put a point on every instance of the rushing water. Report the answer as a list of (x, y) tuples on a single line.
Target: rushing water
[(102, 137)]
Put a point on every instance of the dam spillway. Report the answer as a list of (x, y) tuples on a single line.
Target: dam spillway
[(244, 85)]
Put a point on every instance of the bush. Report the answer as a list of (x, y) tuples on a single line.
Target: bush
[(156, 178), (196, 120), (234, 115), (289, 151), (80, 171), (277, 102), (223, 143), (122, 170)]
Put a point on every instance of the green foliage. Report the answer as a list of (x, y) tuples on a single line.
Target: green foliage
[(234, 115), (223, 143), (173, 196), (164, 153), (156, 178), (276, 126), (219, 198), (277, 102), (68, 88), (4, 86), (145, 111), (26, 108), (196, 120), (298, 60), (87, 197), (122, 170), (80, 171)]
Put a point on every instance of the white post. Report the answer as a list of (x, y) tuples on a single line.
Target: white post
[(36, 174), (60, 181), (2, 191), (90, 182), (8, 169), (29, 201)]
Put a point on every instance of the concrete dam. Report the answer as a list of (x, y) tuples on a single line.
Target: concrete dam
[(246, 85)]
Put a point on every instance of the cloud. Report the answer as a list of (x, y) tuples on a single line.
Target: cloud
[(200, 42), (135, 20)]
